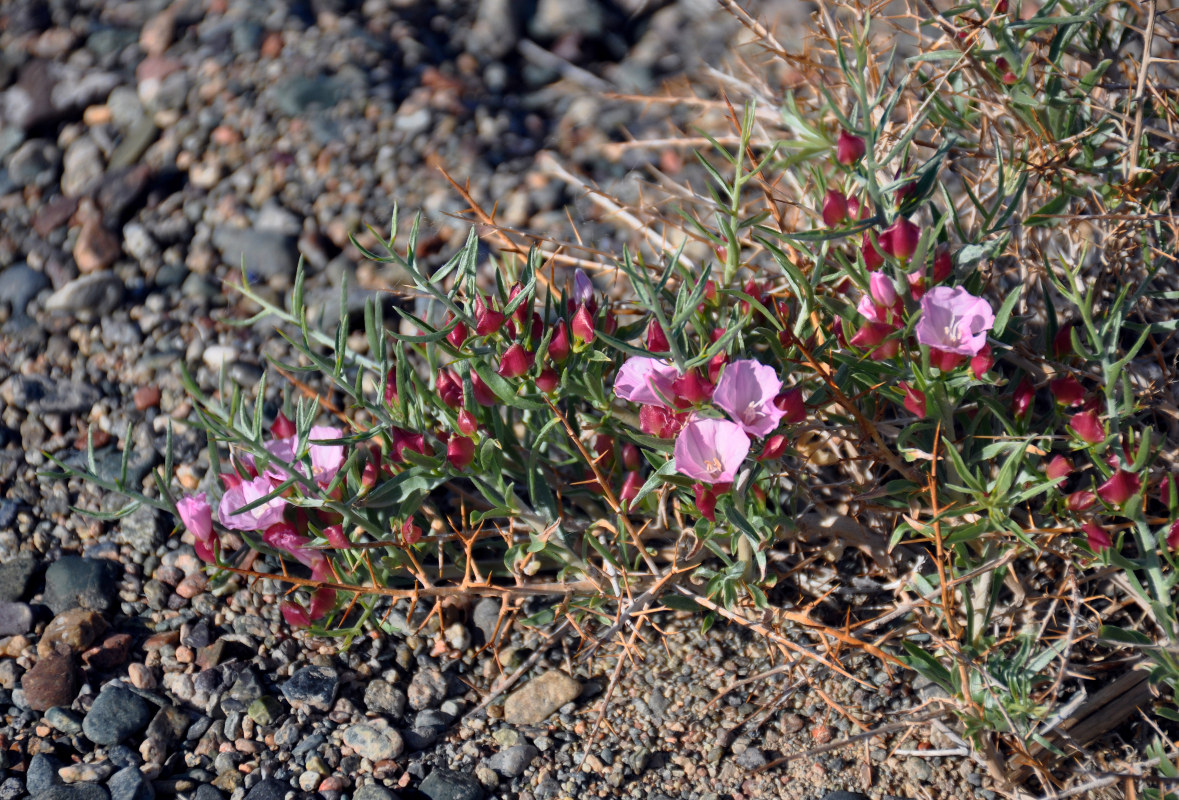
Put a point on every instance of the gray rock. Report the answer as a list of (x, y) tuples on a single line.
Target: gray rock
[(116, 714), (82, 166), (444, 784), (376, 742), (751, 758), (42, 774), (19, 284), (12, 789), (15, 577), (266, 253), (312, 688), (96, 294), (39, 395), (269, 789), (532, 703), (75, 791), (383, 697), (298, 95), (143, 529), (15, 618), (37, 162), (129, 784), (486, 616), (512, 761), (73, 582), (497, 28), (373, 791), (208, 792), (427, 689), (67, 721), (556, 18)]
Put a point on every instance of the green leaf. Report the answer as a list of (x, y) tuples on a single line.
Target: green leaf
[(1123, 636)]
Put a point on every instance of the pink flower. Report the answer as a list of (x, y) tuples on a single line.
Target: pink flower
[(1097, 536), (711, 450), (282, 536), (256, 519), (647, 381), (326, 459), (954, 320), (746, 392), (197, 517)]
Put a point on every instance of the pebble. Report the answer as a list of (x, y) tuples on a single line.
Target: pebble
[(15, 618), (312, 688), (444, 784), (74, 630), (512, 761), (99, 293), (117, 713), (19, 284), (73, 581), (86, 773), (63, 719), (37, 163), (373, 791), (374, 740), (52, 681), (16, 574), (383, 697), (130, 783), (532, 703), (426, 689)]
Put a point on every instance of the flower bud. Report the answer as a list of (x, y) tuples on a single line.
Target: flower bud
[(1119, 488), (410, 531), (774, 447), (467, 423), (790, 401), (391, 388), (458, 335), (559, 344), (710, 290), (656, 338), (849, 149), (715, 364), (1097, 536), (871, 334), (547, 380), (610, 323), (1173, 535), (1058, 467), (487, 321), (630, 487), (900, 240), (582, 327), (914, 400), (1021, 399), (691, 389), (834, 208), (294, 614), (405, 440), (583, 291), (1062, 342), (982, 363), (483, 394), (873, 258), (916, 284), (943, 265), (944, 359), (1088, 426), (282, 427), (631, 458), (336, 538), (537, 331), (882, 290), (658, 422), (449, 388), (516, 361), (705, 501), (1068, 391), (521, 313), (1080, 501), (460, 451)]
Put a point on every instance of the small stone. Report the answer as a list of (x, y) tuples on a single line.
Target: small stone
[(116, 714), (86, 773), (15, 618), (75, 629), (312, 688), (373, 791), (383, 697), (15, 576), (842, 795), (42, 773), (82, 166), (444, 784), (141, 676), (512, 761), (146, 397), (72, 581), (95, 249), (308, 780), (53, 681), (112, 653), (19, 284), (130, 784), (97, 294), (268, 789), (265, 710), (457, 636), (37, 162), (266, 253), (486, 617), (427, 689), (63, 719), (374, 740), (532, 703), (216, 356), (752, 758)]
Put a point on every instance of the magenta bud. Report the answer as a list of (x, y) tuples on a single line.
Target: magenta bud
[(914, 400), (943, 265), (547, 380), (1173, 535), (1068, 391), (900, 239), (871, 334), (790, 401), (849, 149), (521, 312), (1080, 501), (1097, 536), (467, 423), (559, 344), (487, 321), (882, 290), (705, 501), (873, 258), (1088, 426), (834, 208), (516, 361), (982, 363), (282, 427), (449, 388), (656, 338), (945, 360), (1021, 399), (460, 451), (294, 614), (458, 335), (691, 389), (410, 531), (1062, 342), (715, 364), (1119, 488), (774, 447), (631, 458), (630, 487), (1058, 467), (582, 327), (483, 394)]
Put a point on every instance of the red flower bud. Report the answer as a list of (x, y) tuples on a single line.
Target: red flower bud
[(467, 423), (834, 208), (521, 312), (537, 328), (710, 290), (945, 360), (871, 334), (900, 239), (1173, 535), (559, 344), (943, 265), (516, 361), (609, 323), (1068, 391), (391, 388), (790, 401), (483, 394), (1062, 342), (705, 501), (294, 614), (1088, 426), (1010, 77), (322, 601), (1058, 467), (458, 335), (715, 364), (1080, 501), (916, 285), (1097, 536), (230, 480), (410, 531), (1021, 399), (631, 458), (460, 451), (449, 388), (873, 258), (1119, 488), (774, 447), (849, 149), (487, 320), (656, 338), (691, 389), (630, 486), (1001, 7), (282, 427), (582, 326), (982, 362), (914, 400), (336, 538), (405, 440), (1002, 65), (547, 380), (659, 422)]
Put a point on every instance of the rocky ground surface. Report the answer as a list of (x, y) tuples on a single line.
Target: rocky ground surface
[(146, 149)]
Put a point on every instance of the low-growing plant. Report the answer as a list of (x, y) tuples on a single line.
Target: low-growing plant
[(907, 315)]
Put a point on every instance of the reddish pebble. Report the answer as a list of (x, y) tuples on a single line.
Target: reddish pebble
[(332, 784), (101, 439), (185, 654), (158, 641), (147, 397), (821, 734), (191, 586), (141, 676)]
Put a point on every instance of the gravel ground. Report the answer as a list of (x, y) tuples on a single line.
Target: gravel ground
[(146, 148)]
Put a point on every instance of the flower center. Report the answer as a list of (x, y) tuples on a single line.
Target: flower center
[(714, 467)]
